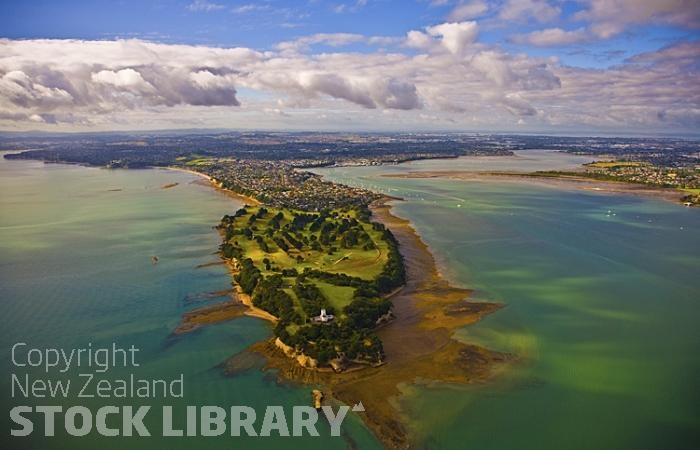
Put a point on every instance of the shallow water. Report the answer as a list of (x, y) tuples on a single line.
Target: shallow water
[(75, 269), (601, 295)]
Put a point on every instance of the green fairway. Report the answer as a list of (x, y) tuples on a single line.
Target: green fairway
[(338, 296), (295, 264), (364, 259)]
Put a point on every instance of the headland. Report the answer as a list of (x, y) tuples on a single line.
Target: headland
[(417, 345)]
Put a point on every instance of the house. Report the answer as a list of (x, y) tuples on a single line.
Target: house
[(323, 317)]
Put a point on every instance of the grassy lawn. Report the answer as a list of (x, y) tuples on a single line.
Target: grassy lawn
[(693, 191), (338, 296), (297, 306), (198, 162), (354, 261)]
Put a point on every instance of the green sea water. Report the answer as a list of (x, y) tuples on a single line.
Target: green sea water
[(602, 306), (75, 271)]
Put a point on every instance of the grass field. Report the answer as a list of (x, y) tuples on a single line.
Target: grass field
[(353, 260), (339, 296)]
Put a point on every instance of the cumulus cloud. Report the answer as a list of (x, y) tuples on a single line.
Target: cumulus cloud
[(20, 90), (552, 37), (610, 17), (104, 76), (603, 19), (464, 11), (525, 10), (455, 36), (125, 78), (369, 93), (683, 55), (418, 39), (448, 76), (333, 40)]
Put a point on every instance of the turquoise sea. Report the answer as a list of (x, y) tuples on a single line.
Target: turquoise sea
[(601, 295), (75, 270)]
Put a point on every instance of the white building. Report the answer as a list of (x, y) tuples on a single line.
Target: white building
[(323, 317)]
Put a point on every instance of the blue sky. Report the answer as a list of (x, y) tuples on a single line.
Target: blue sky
[(515, 57), (262, 24)]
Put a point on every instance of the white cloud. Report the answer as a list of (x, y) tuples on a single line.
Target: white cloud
[(552, 37), (23, 91), (349, 7), (204, 5), (449, 77), (465, 11), (455, 36), (248, 7), (525, 10), (333, 40), (610, 17), (122, 78)]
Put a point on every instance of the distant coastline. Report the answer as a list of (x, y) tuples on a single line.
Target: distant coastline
[(580, 182)]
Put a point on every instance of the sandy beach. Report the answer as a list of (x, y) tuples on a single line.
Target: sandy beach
[(243, 198)]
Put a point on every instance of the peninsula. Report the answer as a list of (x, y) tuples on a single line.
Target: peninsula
[(358, 305)]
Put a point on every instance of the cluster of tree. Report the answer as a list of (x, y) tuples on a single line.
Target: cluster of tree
[(230, 251), (262, 244), (296, 243), (281, 243), (356, 236), (364, 214), (311, 298), (339, 279), (364, 312), (393, 274), (300, 221), (270, 297), (248, 275), (325, 343), (319, 221), (275, 221)]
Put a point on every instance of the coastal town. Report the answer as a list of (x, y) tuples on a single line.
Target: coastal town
[(270, 165), (279, 184), (685, 179)]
